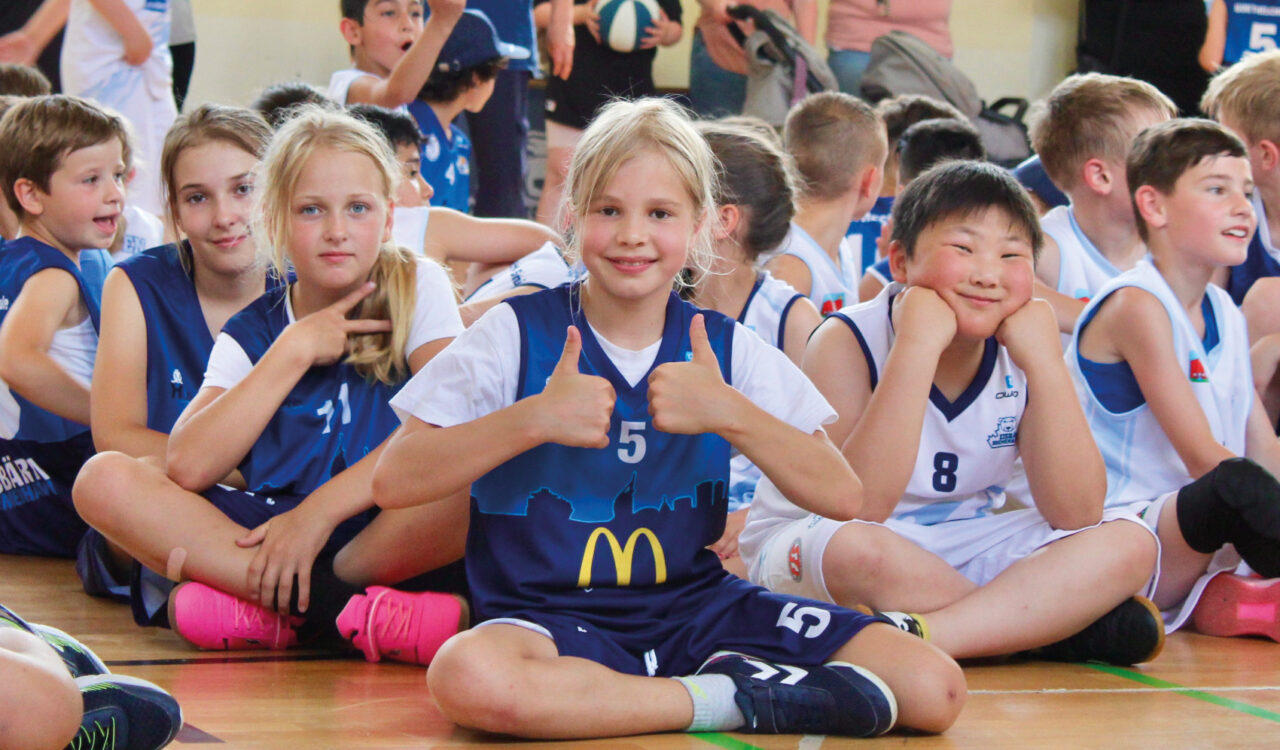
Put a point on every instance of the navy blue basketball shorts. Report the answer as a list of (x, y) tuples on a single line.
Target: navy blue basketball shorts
[(729, 614), (37, 516), (250, 510)]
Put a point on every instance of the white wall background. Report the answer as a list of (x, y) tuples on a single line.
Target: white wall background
[(1008, 47)]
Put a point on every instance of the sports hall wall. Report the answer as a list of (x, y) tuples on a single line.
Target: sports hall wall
[(1008, 47)]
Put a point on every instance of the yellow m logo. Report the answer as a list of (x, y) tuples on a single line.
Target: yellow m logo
[(622, 556)]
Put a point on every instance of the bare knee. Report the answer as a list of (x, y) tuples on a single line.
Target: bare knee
[(936, 692), (106, 480), (1135, 551), (854, 560), (472, 689), (40, 705)]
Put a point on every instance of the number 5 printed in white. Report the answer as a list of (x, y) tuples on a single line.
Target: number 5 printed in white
[(794, 621), (629, 436)]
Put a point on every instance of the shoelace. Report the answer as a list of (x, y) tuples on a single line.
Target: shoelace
[(395, 621), (250, 618), (87, 739)]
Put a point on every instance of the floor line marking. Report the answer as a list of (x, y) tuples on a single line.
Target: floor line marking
[(1236, 689), (1198, 694), (724, 740)]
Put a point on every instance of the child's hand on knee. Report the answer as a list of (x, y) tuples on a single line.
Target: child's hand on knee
[(577, 409), (1031, 333), (921, 315), (690, 398)]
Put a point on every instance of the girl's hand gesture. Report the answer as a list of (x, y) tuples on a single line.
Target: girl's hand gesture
[(322, 336), (577, 409), (690, 398), (287, 546)]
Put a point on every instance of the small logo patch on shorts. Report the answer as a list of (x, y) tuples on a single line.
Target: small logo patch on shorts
[(793, 561)]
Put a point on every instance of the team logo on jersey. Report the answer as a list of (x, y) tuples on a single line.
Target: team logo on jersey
[(1006, 433), (794, 565), (464, 166), (1009, 391), (431, 149), (623, 555), (175, 384), (1197, 372), (831, 303), (4, 304)]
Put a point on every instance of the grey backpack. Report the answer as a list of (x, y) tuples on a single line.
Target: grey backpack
[(902, 63), (782, 68)]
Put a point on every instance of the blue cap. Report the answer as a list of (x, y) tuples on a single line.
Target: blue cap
[(474, 40)]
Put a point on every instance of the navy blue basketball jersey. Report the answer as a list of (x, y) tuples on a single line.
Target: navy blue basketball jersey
[(614, 533), (1258, 264), (178, 340), (20, 260), (331, 419)]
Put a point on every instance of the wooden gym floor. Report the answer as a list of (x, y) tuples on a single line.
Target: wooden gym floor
[(1200, 693)]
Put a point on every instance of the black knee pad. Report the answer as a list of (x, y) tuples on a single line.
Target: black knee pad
[(1252, 492)]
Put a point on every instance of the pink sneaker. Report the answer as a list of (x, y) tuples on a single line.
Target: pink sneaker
[(1237, 605), (398, 625), (216, 620)]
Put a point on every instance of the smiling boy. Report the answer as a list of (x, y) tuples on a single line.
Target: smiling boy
[(62, 171)]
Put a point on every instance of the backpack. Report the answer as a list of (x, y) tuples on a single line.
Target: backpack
[(902, 63), (782, 68)]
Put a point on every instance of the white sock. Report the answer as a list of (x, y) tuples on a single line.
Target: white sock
[(714, 709)]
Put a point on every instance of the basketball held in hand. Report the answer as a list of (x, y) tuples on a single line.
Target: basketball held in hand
[(623, 22)]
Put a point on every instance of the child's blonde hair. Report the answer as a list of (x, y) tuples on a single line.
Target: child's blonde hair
[(208, 123), (1089, 116), (620, 131), (831, 137), (1245, 95), (379, 356)]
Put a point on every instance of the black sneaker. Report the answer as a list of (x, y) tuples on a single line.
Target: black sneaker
[(79, 659), (125, 713), (904, 621), (1131, 633), (835, 698)]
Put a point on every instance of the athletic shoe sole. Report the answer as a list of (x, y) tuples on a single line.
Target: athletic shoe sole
[(1235, 605)]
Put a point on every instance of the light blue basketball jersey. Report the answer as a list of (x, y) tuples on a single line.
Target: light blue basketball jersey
[(1142, 463), (832, 284)]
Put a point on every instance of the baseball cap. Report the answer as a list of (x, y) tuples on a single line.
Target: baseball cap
[(473, 41)]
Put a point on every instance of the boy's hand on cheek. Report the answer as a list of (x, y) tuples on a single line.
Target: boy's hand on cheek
[(920, 315), (1030, 333), (690, 398), (576, 408)]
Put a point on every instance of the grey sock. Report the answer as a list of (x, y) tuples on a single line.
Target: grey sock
[(714, 709)]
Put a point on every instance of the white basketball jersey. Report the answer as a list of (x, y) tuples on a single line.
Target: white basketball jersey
[(409, 227), (1082, 269), (765, 314), (340, 82), (544, 268), (1141, 462), (832, 285)]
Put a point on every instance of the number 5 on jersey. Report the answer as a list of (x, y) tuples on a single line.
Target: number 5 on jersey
[(632, 442)]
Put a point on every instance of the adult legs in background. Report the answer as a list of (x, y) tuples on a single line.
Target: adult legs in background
[(498, 136), (849, 65)]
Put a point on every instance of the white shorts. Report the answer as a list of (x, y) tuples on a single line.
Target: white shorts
[(980, 549), (1225, 560)]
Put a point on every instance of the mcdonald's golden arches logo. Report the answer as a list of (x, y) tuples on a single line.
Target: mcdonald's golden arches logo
[(622, 556)]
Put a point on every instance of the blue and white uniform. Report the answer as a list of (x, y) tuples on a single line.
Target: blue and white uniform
[(544, 268), (330, 420), (1082, 268), (1144, 470), (93, 66), (604, 551), (832, 284), (765, 313), (40, 452), (1253, 26), (863, 233), (1263, 259), (142, 230), (446, 159), (967, 452)]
